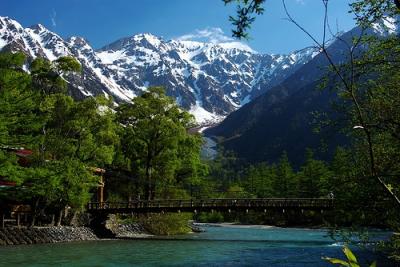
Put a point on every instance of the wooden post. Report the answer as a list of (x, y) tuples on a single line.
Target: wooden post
[(2, 220), (100, 191), (18, 219)]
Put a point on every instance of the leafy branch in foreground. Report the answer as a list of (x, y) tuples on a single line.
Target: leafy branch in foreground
[(351, 259), (244, 16)]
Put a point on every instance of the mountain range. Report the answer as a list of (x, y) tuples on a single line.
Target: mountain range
[(210, 80), (267, 102), (285, 118)]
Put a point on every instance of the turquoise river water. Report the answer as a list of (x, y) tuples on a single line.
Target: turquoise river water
[(218, 246)]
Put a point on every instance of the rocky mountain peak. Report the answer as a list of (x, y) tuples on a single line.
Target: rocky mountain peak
[(38, 28), (208, 79)]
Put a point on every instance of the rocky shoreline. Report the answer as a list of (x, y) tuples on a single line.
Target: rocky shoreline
[(41, 235), (14, 235), (59, 234)]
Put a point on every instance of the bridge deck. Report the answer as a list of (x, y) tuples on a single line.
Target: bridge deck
[(219, 204)]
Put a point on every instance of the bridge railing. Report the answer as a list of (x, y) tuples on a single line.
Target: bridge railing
[(215, 202)]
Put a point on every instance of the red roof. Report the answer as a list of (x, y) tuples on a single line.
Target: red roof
[(7, 183), (23, 153)]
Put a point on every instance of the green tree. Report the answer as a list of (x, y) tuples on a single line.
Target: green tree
[(48, 76), (79, 135), (284, 184), (18, 121), (67, 137), (259, 179), (313, 177), (156, 140)]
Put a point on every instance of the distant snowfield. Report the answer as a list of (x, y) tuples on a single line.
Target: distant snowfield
[(205, 117)]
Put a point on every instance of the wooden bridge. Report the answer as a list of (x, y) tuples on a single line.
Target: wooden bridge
[(216, 204)]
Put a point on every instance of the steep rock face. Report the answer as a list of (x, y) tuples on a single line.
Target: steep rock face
[(210, 80)]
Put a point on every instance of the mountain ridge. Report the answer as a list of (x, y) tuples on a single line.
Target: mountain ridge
[(210, 80), (282, 118)]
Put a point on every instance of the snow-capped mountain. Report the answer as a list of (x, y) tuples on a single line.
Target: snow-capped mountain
[(210, 80), (387, 26), (205, 78)]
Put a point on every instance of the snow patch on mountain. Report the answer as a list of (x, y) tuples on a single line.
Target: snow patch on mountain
[(3, 43), (203, 116), (208, 73), (386, 26), (108, 57)]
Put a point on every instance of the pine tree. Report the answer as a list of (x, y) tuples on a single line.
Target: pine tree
[(313, 177), (284, 185)]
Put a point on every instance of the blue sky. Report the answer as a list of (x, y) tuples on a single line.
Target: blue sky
[(104, 21)]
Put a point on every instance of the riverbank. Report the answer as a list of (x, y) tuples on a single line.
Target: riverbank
[(61, 234), (42, 235)]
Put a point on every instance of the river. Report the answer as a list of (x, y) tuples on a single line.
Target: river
[(218, 246)]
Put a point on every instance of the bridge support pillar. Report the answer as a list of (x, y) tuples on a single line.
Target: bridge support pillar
[(98, 225)]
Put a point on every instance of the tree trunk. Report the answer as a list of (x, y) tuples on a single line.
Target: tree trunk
[(73, 221), (148, 187), (34, 212), (59, 217)]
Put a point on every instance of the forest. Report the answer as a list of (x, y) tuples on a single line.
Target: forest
[(149, 151)]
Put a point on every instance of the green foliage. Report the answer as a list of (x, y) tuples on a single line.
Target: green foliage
[(166, 224), (210, 217), (244, 16), (66, 137), (370, 11), (367, 175), (259, 180), (264, 181), (394, 246), (48, 76), (18, 122), (156, 142), (11, 61), (313, 177), (225, 170), (285, 183), (235, 191), (67, 64), (351, 259)]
